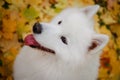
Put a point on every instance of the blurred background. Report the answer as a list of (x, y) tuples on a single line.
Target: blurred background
[(18, 16)]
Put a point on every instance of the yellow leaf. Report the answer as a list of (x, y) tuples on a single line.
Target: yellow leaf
[(8, 35), (115, 28), (107, 18), (87, 2), (9, 25), (104, 30)]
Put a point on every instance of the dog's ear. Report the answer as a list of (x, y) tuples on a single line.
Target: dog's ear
[(98, 43), (91, 10)]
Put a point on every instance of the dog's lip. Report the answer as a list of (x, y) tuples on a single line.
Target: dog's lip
[(30, 41)]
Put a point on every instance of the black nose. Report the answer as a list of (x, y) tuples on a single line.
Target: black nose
[(37, 28)]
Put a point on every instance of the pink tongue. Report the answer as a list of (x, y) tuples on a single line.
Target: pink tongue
[(30, 41)]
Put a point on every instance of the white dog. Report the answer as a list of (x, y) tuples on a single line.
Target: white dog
[(67, 48)]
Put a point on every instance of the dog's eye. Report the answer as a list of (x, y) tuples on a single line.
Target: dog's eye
[(64, 40), (59, 22)]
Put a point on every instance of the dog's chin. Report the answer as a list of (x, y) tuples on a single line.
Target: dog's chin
[(30, 41)]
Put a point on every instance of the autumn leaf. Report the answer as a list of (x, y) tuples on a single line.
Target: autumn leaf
[(8, 28)]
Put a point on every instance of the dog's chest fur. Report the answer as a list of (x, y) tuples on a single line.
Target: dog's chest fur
[(49, 68)]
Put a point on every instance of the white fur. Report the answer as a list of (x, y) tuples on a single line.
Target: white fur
[(71, 62)]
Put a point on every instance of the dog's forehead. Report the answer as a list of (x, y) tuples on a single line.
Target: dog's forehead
[(66, 13)]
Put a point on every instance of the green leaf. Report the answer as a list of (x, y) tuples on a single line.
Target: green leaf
[(57, 10), (30, 13)]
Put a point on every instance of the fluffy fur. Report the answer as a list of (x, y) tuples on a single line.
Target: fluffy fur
[(76, 60)]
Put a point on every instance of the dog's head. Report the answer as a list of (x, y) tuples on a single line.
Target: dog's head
[(70, 35)]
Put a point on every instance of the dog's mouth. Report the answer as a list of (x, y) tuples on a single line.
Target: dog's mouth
[(30, 41)]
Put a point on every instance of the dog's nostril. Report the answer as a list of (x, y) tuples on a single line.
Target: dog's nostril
[(37, 28)]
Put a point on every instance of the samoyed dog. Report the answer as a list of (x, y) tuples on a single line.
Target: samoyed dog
[(67, 48)]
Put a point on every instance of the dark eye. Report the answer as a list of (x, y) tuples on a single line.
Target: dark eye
[(64, 40), (59, 22)]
